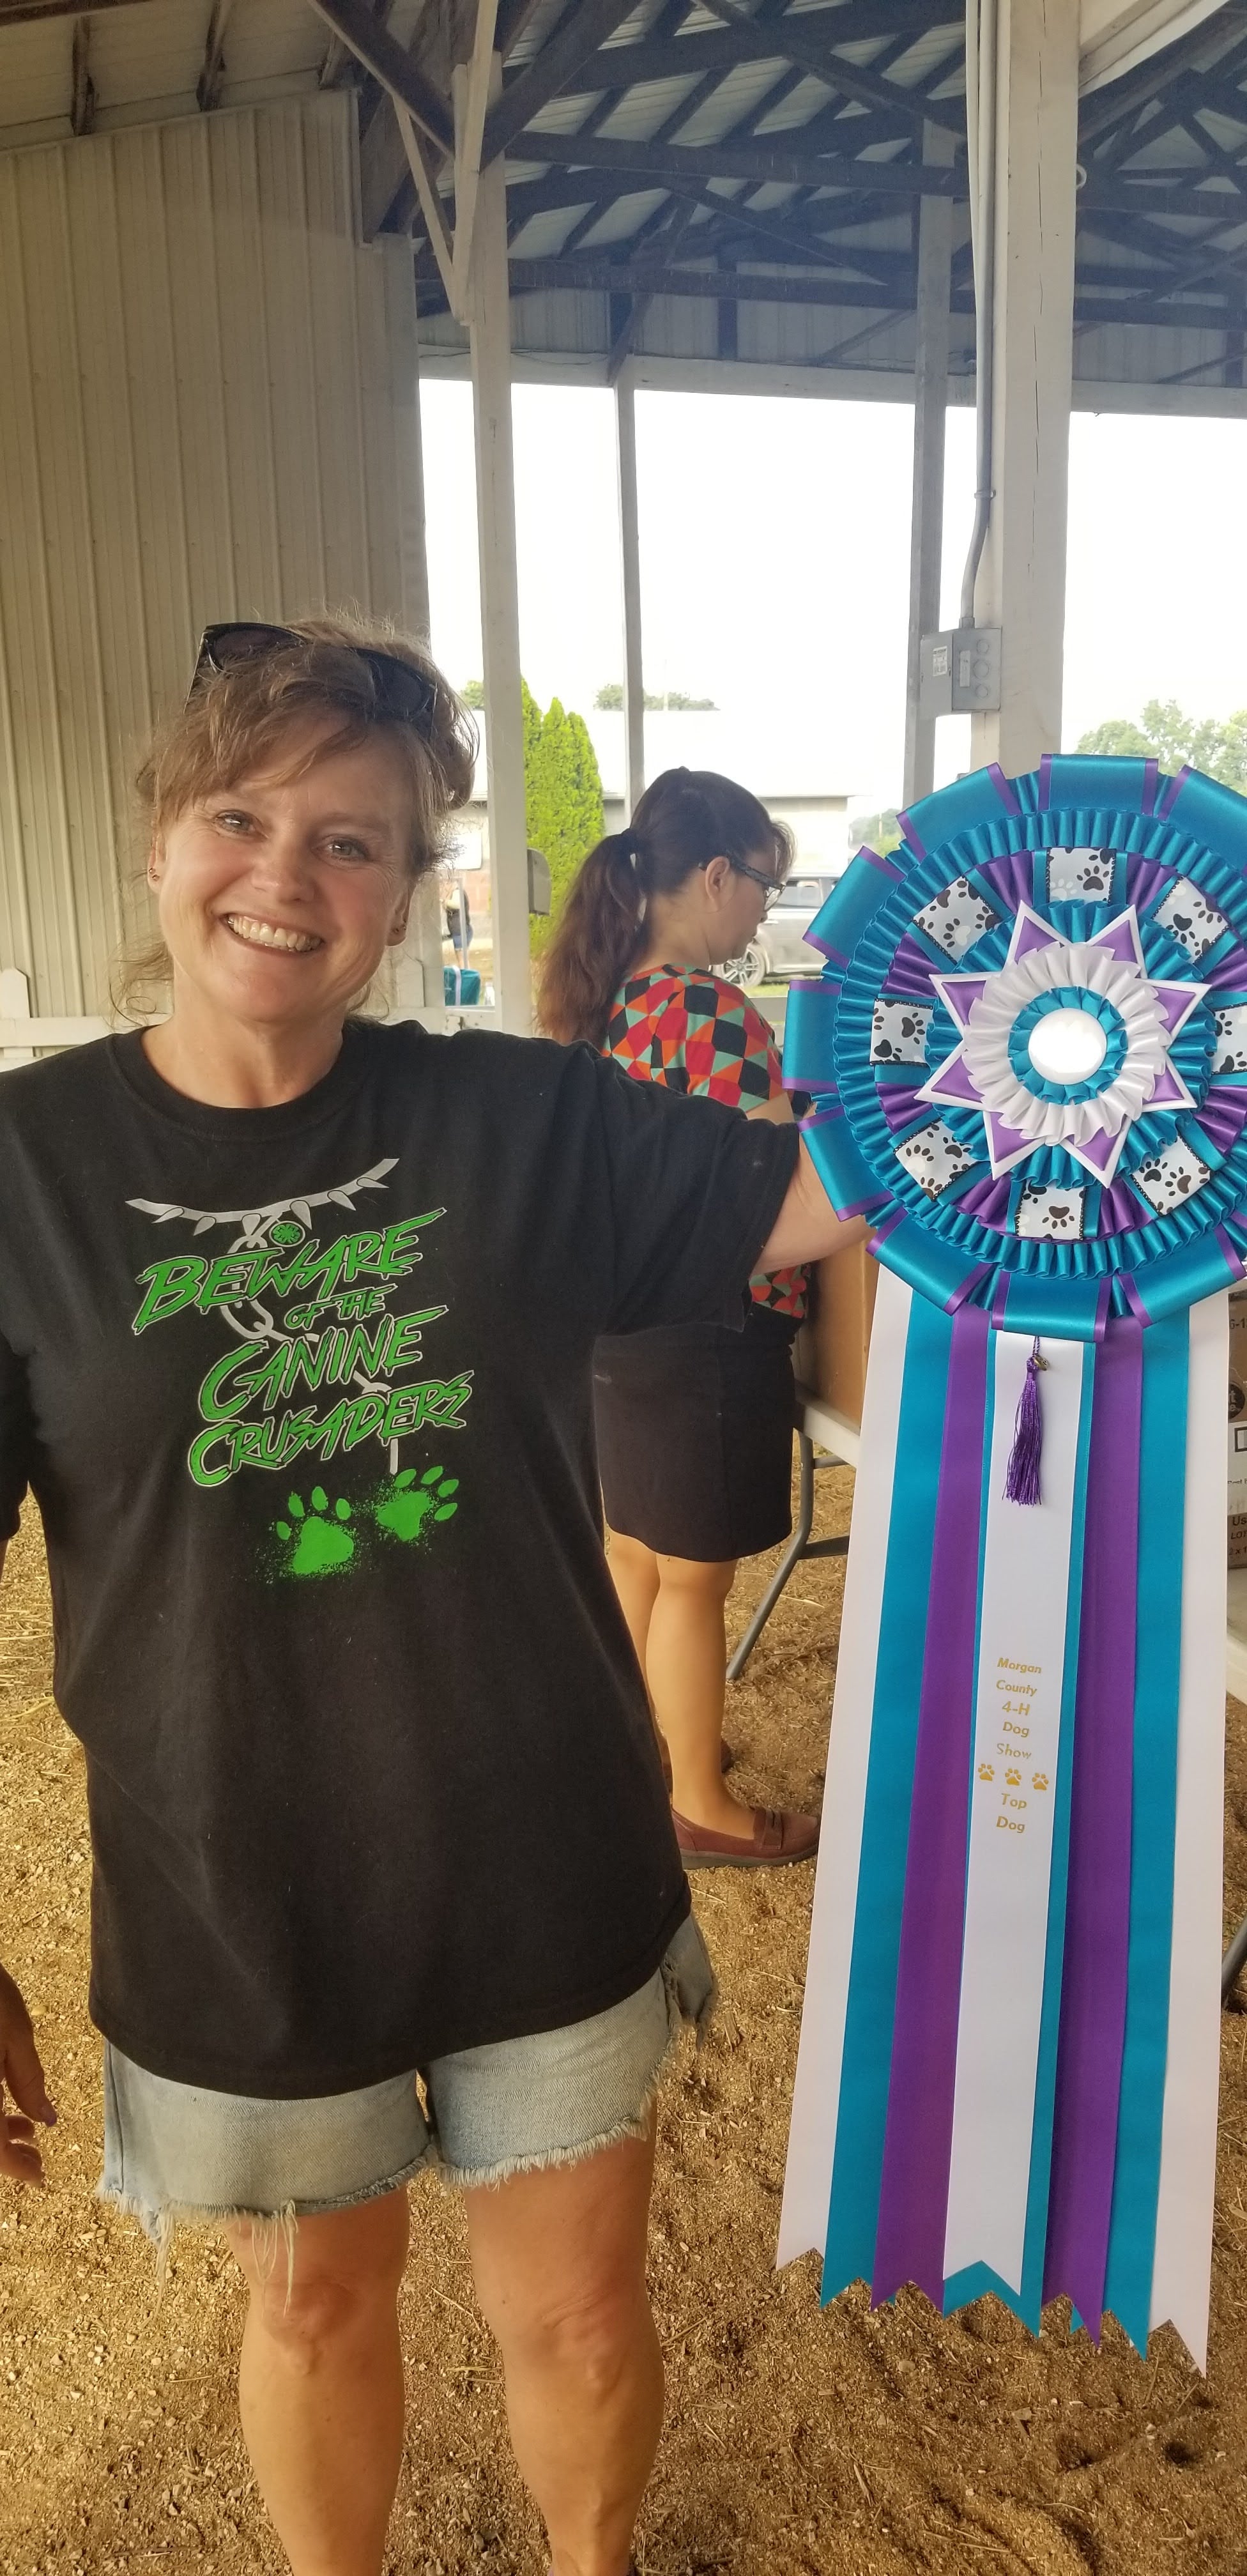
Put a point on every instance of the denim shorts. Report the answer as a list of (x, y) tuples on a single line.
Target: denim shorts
[(177, 2152)]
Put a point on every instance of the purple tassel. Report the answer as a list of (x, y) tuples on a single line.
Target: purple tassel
[(1022, 1480)]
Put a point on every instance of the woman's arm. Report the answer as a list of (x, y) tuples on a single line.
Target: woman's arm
[(807, 1227), (21, 2075), (777, 1110)]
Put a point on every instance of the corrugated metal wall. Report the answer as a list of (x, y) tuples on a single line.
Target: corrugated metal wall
[(206, 410)]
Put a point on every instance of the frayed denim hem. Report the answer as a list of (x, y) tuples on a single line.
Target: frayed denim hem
[(270, 2228), (692, 1995), (550, 2159)]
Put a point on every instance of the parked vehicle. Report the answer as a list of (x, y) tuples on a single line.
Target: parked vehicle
[(781, 947)]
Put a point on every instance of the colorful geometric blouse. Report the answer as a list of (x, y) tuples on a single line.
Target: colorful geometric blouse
[(698, 1034)]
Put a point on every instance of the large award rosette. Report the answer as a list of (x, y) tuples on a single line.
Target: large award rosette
[(1028, 1056)]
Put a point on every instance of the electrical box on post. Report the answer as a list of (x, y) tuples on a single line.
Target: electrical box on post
[(960, 671)]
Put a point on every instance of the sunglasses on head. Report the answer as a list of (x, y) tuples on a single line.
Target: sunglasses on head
[(404, 695)]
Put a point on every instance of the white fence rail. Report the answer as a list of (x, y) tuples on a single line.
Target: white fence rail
[(21, 1036)]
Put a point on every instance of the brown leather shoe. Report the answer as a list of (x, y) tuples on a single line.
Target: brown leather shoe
[(779, 1835)]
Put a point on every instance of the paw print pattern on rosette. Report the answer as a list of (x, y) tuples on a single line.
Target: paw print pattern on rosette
[(1028, 1049)]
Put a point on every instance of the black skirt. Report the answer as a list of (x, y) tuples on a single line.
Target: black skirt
[(694, 1430)]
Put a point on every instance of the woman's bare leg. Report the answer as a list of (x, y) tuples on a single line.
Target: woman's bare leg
[(321, 2383), (635, 1572), (559, 2262), (686, 1667)]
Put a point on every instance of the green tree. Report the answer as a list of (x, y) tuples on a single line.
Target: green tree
[(611, 697), (1118, 739), (878, 832), (532, 726), (1217, 745), (563, 802), (473, 693)]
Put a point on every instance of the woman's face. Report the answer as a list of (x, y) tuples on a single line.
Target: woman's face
[(736, 903), (279, 896)]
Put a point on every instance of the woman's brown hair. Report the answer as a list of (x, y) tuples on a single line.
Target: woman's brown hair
[(685, 819), (238, 721)]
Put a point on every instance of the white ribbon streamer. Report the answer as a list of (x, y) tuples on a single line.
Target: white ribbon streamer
[(812, 2137), (1016, 1749)]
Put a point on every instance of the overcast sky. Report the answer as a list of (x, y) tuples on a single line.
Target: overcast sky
[(775, 543)]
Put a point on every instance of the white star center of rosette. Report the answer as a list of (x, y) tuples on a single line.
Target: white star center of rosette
[(979, 1073)]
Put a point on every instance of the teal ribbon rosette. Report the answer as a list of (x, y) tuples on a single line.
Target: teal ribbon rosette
[(1091, 887), (1027, 1055)]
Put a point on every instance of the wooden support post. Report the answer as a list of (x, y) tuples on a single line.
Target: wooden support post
[(935, 239), (82, 87), (489, 330), (630, 553), (1021, 583)]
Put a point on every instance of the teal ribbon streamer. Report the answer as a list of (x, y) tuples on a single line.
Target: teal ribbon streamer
[(870, 2012), (1136, 2185)]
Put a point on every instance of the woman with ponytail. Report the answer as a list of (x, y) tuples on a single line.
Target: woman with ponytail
[(694, 1422)]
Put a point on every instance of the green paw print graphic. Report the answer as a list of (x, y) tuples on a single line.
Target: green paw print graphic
[(408, 1505), (320, 1544)]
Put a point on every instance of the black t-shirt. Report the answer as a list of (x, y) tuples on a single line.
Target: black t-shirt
[(304, 1397)]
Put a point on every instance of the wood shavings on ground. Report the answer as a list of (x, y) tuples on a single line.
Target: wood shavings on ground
[(798, 2442)]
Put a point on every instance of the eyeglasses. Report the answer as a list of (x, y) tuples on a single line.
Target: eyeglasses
[(772, 887), (404, 695)]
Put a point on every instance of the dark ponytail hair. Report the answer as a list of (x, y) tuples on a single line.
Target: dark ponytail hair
[(685, 819)]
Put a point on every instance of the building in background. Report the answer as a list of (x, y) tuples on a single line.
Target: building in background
[(792, 778)]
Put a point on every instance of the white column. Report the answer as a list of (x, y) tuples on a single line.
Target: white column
[(935, 239), (1021, 583), (421, 991), (630, 556), (489, 328)]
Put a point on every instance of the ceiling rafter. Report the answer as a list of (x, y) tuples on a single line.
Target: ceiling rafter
[(378, 50), (211, 79), (23, 13), (1104, 108), (849, 79), (639, 277), (766, 159), (671, 124), (81, 85), (577, 38)]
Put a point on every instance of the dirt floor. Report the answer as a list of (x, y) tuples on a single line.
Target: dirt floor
[(832, 2443)]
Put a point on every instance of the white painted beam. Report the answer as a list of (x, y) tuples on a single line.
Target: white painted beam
[(926, 550), (630, 561), (1021, 582), (422, 948), (472, 90), (489, 328)]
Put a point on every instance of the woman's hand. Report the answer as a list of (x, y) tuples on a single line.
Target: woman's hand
[(807, 1227), (21, 2075)]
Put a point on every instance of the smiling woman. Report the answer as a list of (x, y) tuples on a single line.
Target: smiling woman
[(297, 1315), (272, 708)]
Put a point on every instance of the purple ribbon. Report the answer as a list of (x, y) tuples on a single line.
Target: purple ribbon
[(1145, 878), (913, 2200), (1012, 878), (909, 975), (1097, 1912)]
